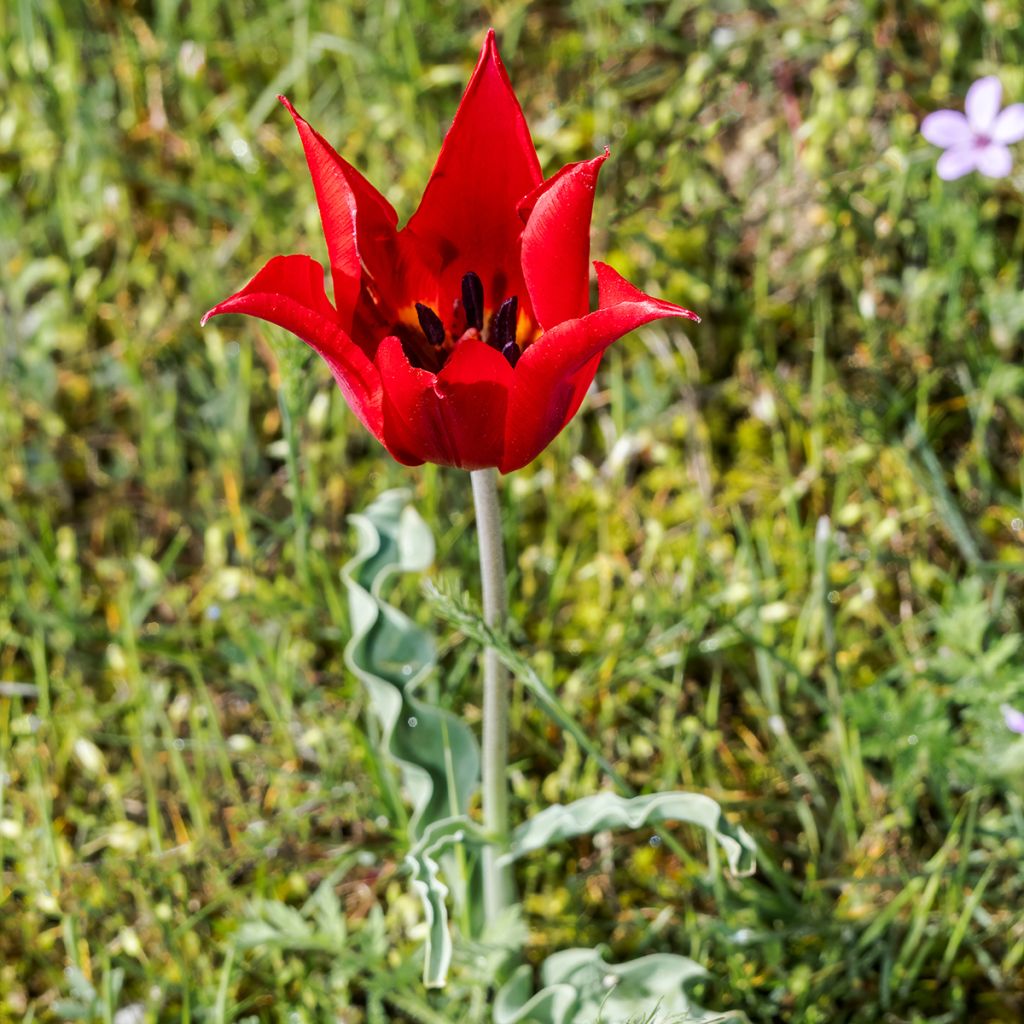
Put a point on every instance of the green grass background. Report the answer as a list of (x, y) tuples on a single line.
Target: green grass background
[(179, 739)]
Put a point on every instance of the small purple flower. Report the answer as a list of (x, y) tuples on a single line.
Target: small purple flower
[(1013, 718), (979, 140)]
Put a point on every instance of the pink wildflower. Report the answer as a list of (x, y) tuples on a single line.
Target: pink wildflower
[(978, 139), (1013, 718)]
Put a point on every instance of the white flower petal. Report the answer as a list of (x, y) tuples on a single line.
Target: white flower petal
[(955, 163), (1009, 125), (947, 128), (982, 103), (994, 161)]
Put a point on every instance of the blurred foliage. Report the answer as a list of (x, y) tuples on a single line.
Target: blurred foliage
[(180, 745)]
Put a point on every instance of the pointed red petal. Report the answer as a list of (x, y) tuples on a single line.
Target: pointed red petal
[(359, 223), (456, 418), (289, 292), (556, 242), (554, 373), (467, 217)]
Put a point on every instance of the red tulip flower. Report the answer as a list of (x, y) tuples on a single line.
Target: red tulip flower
[(465, 337)]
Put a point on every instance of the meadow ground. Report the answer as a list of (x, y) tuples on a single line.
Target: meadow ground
[(183, 756)]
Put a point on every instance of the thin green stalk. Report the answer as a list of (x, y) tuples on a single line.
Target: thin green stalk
[(498, 889), (298, 498)]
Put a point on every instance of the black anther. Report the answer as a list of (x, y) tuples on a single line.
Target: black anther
[(430, 324), (503, 327), (511, 353), (473, 300)]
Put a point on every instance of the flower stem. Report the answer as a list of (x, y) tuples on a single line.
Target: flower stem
[(298, 498), (498, 888)]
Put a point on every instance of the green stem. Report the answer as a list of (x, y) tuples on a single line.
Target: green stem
[(298, 499), (498, 888)]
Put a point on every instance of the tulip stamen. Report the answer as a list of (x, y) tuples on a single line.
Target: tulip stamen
[(503, 326), (473, 300), (504, 330), (431, 325), (512, 353)]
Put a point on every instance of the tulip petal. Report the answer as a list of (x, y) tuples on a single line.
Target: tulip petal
[(466, 220), (947, 128), (994, 161), (289, 292), (955, 163), (454, 418), (359, 223), (1009, 125), (982, 103), (556, 242), (551, 377)]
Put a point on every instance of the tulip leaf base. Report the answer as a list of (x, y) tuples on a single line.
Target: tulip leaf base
[(592, 814), (439, 762), (579, 987)]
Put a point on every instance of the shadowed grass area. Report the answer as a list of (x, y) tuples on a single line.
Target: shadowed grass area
[(778, 558)]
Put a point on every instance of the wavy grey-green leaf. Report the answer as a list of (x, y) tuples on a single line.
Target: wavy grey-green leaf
[(435, 752)]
